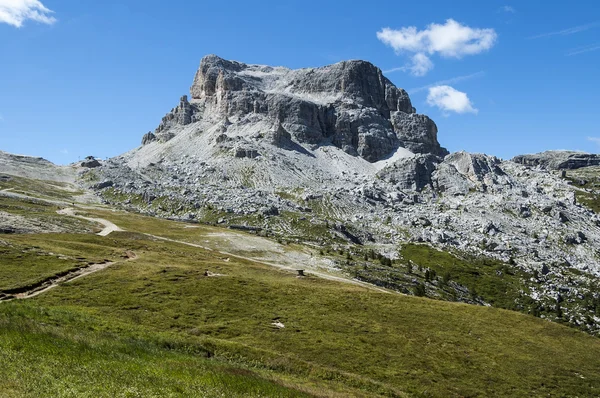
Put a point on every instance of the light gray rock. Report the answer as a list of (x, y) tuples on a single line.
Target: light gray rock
[(412, 173), (148, 138), (181, 115), (559, 160), (462, 172), (417, 133), (349, 104)]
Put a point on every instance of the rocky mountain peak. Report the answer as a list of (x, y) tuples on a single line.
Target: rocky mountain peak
[(349, 105)]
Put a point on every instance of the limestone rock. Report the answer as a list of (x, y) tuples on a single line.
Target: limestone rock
[(559, 160), (148, 138), (181, 115), (279, 137), (411, 173), (245, 152), (461, 172), (349, 104), (417, 133)]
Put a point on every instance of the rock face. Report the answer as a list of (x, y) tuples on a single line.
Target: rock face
[(181, 115), (350, 105), (462, 172), (412, 173), (148, 138), (559, 160)]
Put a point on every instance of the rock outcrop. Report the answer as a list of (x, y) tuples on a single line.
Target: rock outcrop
[(559, 160), (413, 173), (181, 115), (350, 105), (462, 172), (90, 162), (148, 138)]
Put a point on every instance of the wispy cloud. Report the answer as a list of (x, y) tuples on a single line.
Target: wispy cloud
[(568, 31), (453, 80), (450, 40), (584, 49), (419, 66), (595, 140), (64, 151), (398, 69), (508, 9), (1, 117), (16, 12), (448, 99)]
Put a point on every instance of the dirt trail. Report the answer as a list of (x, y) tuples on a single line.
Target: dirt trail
[(108, 226), (283, 267), (54, 281), (111, 227)]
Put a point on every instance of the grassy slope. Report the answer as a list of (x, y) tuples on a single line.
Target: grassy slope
[(340, 336), (144, 328), (589, 195), (40, 188), (43, 358)]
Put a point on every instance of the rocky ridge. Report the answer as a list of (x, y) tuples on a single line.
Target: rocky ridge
[(559, 160)]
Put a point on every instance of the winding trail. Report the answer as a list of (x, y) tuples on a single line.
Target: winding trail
[(111, 227), (321, 275), (56, 280), (108, 226)]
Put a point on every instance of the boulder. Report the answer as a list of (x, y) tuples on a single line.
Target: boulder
[(90, 162)]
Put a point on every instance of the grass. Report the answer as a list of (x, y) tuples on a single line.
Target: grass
[(40, 188), (157, 326), (43, 213), (588, 193), (20, 268), (495, 282), (337, 335), (41, 357)]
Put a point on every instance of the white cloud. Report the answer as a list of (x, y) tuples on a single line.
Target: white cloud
[(509, 9), (584, 49), (452, 40), (449, 99), (568, 31), (421, 64), (16, 12), (64, 151), (453, 80)]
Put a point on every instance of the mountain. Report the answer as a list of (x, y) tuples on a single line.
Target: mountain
[(289, 219), (338, 156)]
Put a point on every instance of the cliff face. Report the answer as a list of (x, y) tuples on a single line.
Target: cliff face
[(350, 105)]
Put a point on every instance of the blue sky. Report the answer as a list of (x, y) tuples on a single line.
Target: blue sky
[(83, 77)]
